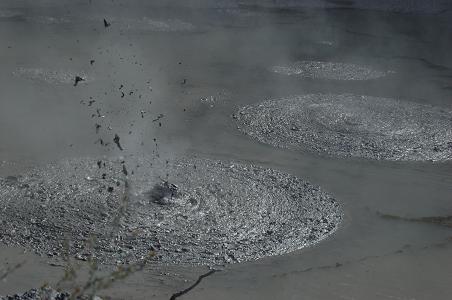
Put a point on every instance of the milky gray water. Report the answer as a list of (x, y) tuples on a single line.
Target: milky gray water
[(167, 79)]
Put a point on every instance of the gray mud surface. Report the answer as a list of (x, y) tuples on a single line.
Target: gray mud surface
[(351, 126), (329, 70), (191, 211)]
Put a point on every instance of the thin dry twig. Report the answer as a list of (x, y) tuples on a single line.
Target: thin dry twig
[(200, 278), (4, 274)]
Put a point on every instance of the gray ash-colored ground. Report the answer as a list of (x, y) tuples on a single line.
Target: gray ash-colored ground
[(191, 211), (329, 70), (351, 126)]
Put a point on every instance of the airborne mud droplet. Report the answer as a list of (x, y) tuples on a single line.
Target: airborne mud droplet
[(351, 126), (116, 140), (217, 213)]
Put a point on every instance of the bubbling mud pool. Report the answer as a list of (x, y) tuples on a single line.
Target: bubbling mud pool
[(351, 126), (190, 211), (329, 70)]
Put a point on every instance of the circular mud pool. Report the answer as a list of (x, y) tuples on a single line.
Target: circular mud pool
[(190, 211), (329, 70), (351, 126)]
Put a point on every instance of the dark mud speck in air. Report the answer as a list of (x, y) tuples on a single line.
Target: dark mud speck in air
[(351, 126), (77, 80), (116, 140), (218, 213)]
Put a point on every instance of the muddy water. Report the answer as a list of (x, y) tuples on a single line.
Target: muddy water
[(197, 77)]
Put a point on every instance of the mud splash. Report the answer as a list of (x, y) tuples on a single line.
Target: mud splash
[(191, 211), (351, 126), (329, 70)]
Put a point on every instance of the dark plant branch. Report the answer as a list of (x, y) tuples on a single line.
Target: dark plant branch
[(10, 270), (200, 278)]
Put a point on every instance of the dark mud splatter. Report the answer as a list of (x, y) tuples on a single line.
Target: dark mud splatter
[(116, 141), (351, 126), (77, 80), (106, 23), (191, 211)]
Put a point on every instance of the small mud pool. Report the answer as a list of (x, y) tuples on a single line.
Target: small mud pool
[(351, 126), (190, 211), (329, 70)]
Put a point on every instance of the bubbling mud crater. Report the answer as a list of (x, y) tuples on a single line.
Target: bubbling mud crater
[(351, 126), (190, 211)]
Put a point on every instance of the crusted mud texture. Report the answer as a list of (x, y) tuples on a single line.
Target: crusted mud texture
[(329, 70), (45, 293), (351, 126), (190, 211), (38, 294)]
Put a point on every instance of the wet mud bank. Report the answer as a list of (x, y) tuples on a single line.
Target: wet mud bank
[(189, 211)]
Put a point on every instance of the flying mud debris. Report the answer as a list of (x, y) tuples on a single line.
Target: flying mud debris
[(77, 80), (116, 140), (329, 70), (351, 126), (189, 211)]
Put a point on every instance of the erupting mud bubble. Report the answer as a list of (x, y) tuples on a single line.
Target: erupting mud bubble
[(196, 212), (50, 76), (351, 126), (329, 70)]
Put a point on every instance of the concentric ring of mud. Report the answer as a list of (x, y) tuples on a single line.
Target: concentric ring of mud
[(329, 70), (191, 211), (351, 126)]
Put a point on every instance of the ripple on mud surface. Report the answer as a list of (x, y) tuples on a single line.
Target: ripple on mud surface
[(201, 212), (169, 25), (50, 76), (351, 126), (329, 70)]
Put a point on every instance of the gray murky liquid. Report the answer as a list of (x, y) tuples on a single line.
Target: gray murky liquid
[(226, 59)]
